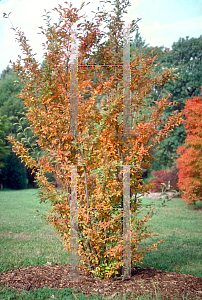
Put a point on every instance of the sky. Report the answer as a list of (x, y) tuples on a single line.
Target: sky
[(162, 22)]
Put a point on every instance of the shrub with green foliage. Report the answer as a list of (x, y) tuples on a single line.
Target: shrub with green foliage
[(14, 173)]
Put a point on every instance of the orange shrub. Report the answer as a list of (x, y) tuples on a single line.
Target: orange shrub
[(100, 147)]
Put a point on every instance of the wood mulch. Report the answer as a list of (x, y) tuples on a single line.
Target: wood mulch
[(169, 284)]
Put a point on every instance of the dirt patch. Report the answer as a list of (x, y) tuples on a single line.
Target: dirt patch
[(170, 285), (158, 195)]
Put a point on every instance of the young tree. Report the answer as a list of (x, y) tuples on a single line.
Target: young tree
[(100, 147), (190, 160)]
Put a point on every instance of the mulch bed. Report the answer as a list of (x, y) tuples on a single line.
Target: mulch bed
[(169, 284)]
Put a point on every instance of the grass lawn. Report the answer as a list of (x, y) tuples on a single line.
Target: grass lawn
[(180, 226), (26, 241)]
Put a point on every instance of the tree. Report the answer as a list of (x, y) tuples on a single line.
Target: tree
[(100, 147), (14, 173), (138, 45), (11, 105), (12, 108), (190, 159), (10, 87), (4, 150), (185, 59)]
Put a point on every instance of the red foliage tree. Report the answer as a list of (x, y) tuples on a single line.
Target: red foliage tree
[(190, 160)]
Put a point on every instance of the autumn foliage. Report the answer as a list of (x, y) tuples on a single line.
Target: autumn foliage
[(164, 178), (190, 159), (100, 148)]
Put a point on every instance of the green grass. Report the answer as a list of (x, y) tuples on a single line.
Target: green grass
[(22, 232), (180, 226), (25, 240)]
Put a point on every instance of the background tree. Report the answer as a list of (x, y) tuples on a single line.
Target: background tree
[(190, 159), (10, 104), (4, 149), (139, 45), (186, 58), (14, 174), (138, 41), (12, 108)]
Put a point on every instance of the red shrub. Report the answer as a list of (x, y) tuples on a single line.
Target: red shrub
[(164, 177)]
